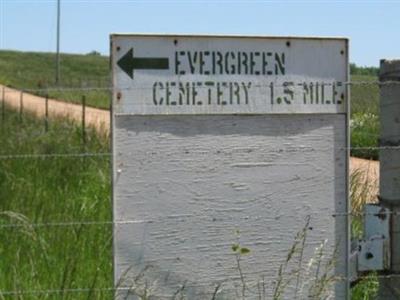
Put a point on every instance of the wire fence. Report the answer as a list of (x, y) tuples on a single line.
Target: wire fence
[(87, 123)]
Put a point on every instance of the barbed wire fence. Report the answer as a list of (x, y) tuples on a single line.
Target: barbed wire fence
[(17, 101)]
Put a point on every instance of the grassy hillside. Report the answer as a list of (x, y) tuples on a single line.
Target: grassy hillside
[(32, 70), (53, 190)]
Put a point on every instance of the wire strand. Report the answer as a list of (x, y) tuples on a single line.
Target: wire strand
[(128, 222), (258, 85), (109, 154), (127, 289), (53, 155)]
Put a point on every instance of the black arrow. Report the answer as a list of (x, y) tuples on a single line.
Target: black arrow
[(128, 63)]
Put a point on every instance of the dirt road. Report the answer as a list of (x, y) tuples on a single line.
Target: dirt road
[(98, 118), (366, 170)]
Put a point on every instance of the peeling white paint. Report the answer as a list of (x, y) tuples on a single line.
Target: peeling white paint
[(190, 177), (196, 195)]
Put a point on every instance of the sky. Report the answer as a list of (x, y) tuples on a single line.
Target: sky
[(373, 27)]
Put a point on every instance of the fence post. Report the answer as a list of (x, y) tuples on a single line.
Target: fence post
[(83, 120), (21, 105), (46, 112), (389, 156)]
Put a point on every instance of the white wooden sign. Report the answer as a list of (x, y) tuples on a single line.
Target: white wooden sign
[(195, 75), (229, 143)]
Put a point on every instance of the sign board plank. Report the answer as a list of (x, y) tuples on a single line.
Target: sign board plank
[(192, 75), (190, 182)]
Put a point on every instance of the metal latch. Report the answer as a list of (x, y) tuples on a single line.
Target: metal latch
[(372, 253)]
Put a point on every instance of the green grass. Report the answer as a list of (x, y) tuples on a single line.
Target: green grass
[(48, 190), (364, 94), (364, 125), (366, 289), (364, 135), (34, 70)]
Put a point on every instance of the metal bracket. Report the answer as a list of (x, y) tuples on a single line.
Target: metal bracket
[(372, 253)]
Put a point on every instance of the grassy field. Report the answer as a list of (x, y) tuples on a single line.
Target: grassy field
[(364, 115), (55, 190), (33, 70)]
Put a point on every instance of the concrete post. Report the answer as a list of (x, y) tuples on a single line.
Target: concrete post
[(389, 155)]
